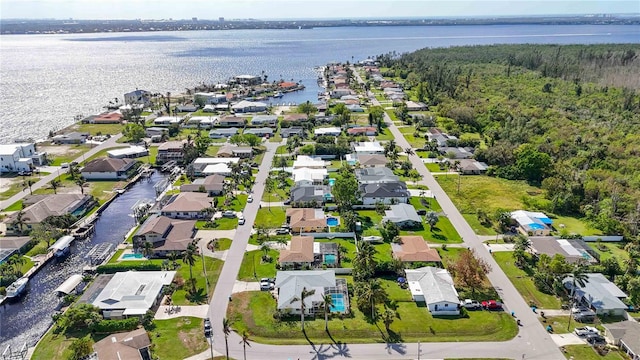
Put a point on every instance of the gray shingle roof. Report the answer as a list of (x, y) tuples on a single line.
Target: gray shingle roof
[(436, 284)]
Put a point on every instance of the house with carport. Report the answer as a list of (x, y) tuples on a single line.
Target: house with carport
[(626, 336), (188, 205), (599, 294), (434, 287)]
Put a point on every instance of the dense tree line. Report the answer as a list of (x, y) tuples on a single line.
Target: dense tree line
[(565, 118)]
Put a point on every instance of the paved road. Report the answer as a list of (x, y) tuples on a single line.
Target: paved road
[(46, 179)]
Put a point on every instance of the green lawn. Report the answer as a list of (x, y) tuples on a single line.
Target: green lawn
[(15, 206), (224, 244), (56, 346), (282, 149), (72, 153), (559, 324), (450, 254), (16, 186), (278, 193), (270, 217), (612, 250), (102, 129), (103, 190), (524, 283), (434, 167), (40, 248), (385, 135), (478, 228), (218, 224), (213, 268), (253, 312), (237, 204), (586, 352), (252, 260), (574, 225), (178, 338)]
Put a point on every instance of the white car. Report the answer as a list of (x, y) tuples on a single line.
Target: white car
[(250, 198), (586, 330), (241, 219), (471, 304)]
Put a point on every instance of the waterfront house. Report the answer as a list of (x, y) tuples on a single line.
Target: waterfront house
[(306, 220), (188, 205), (434, 287), (71, 138), (128, 294), (20, 157), (200, 164), (223, 133), (216, 169), (375, 175), (12, 245), (264, 120), (246, 106), (387, 193), (211, 98), (260, 132), (290, 284), (231, 121), (403, 215), (40, 207), (114, 117), (412, 249), (247, 79), (130, 152), (212, 185), (142, 97), (132, 345), (532, 223), (626, 336), (338, 93), (170, 150), (165, 234), (599, 294), (109, 169)]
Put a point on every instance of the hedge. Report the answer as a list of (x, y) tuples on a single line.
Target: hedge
[(113, 326), (126, 266)]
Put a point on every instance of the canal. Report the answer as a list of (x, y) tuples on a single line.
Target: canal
[(29, 318)]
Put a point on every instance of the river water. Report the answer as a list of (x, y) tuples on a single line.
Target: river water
[(28, 319), (45, 80)]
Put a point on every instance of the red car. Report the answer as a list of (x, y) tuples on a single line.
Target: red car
[(491, 305)]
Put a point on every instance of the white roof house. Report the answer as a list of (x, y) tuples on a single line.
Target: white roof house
[(167, 120), (205, 122), (249, 106), (304, 161), (132, 293), (309, 176), (291, 283), (220, 169), (369, 147), (130, 152), (333, 131), (534, 223), (435, 287), (216, 160)]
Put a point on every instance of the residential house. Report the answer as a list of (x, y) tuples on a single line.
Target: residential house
[(200, 164), (599, 294), (165, 234), (167, 120), (295, 118), (228, 150), (211, 98), (298, 254), (532, 223), (305, 194), (338, 93), (451, 152), (414, 249), (132, 345), (375, 175), (219, 169), (200, 122), (439, 137), (246, 106), (387, 193), (209, 108), (260, 132), (130, 152), (186, 108), (247, 79), (188, 205), (363, 130), (113, 117), (403, 215), (109, 169), (231, 121), (264, 120), (307, 176), (355, 108), (290, 284), (306, 220), (137, 96), (44, 206), (311, 162), (324, 119), (626, 336), (367, 161), (350, 97), (212, 185), (368, 147), (20, 157), (71, 138), (472, 167), (331, 131), (128, 294), (223, 133), (170, 150), (292, 131), (416, 106), (573, 250), (12, 245), (434, 286), (156, 131)]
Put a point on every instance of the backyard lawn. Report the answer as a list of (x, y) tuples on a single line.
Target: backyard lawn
[(253, 312), (252, 261), (524, 283), (271, 217), (178, 338)]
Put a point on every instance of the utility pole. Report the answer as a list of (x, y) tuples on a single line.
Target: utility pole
[(419, 351)]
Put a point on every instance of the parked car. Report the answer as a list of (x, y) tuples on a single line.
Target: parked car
[(207, 327), (282, 231), (287, 202), (250, 198), (229, 214), (241, 221), (421, 212), (595, 339), (492, 305), (24, 173), (578, 309), (471, 304), (586, 330), (266, 284)]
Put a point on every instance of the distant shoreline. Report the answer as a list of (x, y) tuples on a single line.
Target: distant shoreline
[(44, 26)]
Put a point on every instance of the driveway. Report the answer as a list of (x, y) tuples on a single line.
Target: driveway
[(567, 339), (242, 286)]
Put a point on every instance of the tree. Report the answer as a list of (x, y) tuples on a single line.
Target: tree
[(55, 184), (200, 100), (388, 316), (532, 164), (611, 267), (307, 108), (521, 246), (252, 140), (188, 257), (389, 231), (226, 329), (303, 295), (147, 249), (245, 342), (633, 288), (364, 263), (44, 232), (269, 186), (81, 347), (19, 221), (327, 303), (265, 247), (81, 316), (81, 182), (578, 277), (346, 191), (202, 144), (469, 271), (29, 183), (133, 132), (370, 293), (432, 219)]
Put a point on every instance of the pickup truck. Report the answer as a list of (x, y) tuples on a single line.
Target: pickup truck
[(586, 330), (470, 304), (492, 305)]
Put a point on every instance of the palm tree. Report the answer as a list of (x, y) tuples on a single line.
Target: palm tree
[(20, 221), (327, 302), (82, 183), (303, 295), (188, 257), (409, 151), (16, 262), (265, 247), (245, 343), (387, 318), (55, 184), (173, 257), (432, 218), (30, 183), (147, 249), (226, 329), (269, 185), (372, 293), (578, 277), (631, 263)]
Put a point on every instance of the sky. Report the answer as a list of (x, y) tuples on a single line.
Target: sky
[(303, 9)]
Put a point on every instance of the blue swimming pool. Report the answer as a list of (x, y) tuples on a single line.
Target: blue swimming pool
[(338, 303), (330, 259), (332, 221), (332, 181), (132, 257)]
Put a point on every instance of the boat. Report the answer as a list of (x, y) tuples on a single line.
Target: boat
[(17, 288), (278, 95), (61, 247)]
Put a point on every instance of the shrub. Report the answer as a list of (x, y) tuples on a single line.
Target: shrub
[(112, 326), (126, 266)]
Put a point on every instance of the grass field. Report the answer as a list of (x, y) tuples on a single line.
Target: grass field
[(612, 250), (586, 352), (271, 217), (252, 260), (213, 268), (102, 129), (178, 338), (524, 283)]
